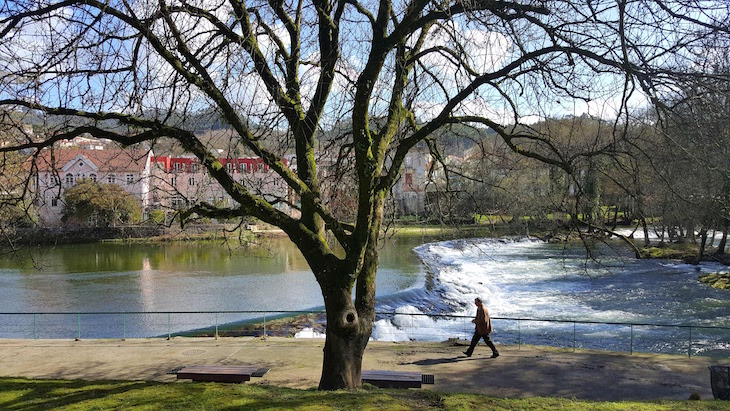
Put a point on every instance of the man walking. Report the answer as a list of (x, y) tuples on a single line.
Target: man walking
[(483, 326)]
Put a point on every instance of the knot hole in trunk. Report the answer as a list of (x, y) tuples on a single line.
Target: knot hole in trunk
[(349, 320)]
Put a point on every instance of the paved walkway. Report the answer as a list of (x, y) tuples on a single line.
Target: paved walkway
[(296, 363)]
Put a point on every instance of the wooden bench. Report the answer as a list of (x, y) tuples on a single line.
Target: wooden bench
[(220, 373), (396, 379)]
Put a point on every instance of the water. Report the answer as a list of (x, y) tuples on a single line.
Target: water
[(167, 277), (532, 279), (516, 279)]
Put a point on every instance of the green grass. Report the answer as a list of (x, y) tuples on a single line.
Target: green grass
[(26, 395), (672, 251), (432, 231), (717, 280)]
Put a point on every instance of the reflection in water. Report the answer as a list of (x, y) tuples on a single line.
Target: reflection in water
[(179, 277), (146, 285)]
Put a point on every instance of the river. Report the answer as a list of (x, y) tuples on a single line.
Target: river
[(516, 278)]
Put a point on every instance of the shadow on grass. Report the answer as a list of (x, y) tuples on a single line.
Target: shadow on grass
[(23, 394), (26, 395)]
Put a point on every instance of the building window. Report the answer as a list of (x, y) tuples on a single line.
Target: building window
[(229, 167), (172, 181), (261, 167), (111, 179), (409, 178), (408, 161), (177, 203), (69, 180), (92, 177), (191, 181), (130, 179), (81, 164), (195, 167), (177, 166), (54, 202)]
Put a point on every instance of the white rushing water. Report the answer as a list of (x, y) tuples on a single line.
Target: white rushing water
[(532, 279)]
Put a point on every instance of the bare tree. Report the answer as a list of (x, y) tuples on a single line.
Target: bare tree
[(696, 132), (278, 71)]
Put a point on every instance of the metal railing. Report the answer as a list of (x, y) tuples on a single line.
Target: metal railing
[(689, 339)]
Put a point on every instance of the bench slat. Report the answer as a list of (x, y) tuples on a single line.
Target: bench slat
[(392, 379), (217, 373)]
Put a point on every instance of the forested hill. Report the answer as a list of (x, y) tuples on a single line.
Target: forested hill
[(208, 124)]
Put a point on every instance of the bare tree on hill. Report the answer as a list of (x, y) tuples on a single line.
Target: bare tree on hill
[(132, 71)]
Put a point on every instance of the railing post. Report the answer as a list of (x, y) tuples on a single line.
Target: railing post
[(35, 327), (78, 322), (689, 347), (632, 339), (413, 329), (169, 325), (519, 336), (124, 326), (574, 338), (216, 326), (264, 326)]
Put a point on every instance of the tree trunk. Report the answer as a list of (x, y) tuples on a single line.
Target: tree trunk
[(703, 243), (645, 227), (721, 246), (614, 221), (674, 236), (347, 336), (691, 236)]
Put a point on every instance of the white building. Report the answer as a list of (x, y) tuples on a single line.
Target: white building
[(409, 192), (182, 181), (57, 170)]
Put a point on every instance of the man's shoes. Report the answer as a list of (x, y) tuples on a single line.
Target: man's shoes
[(495, 355), (467, 354)]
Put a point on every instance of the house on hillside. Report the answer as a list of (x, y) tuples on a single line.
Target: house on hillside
[(182, 181), (56, 170), (409, 192)]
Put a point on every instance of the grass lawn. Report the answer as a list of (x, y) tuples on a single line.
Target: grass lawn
[(25, 394), (441, 232)]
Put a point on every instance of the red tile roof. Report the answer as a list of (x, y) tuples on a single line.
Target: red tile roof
[(118, 160)]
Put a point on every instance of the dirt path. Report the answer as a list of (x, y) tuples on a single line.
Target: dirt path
[(296, 363)]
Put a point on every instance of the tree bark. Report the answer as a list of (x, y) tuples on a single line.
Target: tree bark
[(645, 228), (348, 333), (703, 244), (723, 240)]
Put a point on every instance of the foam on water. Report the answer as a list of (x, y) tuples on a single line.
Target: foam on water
[(308, 333), (532, 279)]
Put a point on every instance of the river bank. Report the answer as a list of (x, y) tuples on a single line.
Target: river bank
[(240, 234)]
